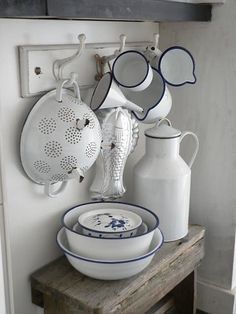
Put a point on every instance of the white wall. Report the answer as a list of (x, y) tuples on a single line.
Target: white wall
[(31, 218), (209, 109)]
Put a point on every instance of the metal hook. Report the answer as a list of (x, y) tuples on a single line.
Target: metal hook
[(58, 65), (102, 61), (122, 42), (152, 51), (156, 40)]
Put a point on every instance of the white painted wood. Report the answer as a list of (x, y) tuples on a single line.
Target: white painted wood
[(208, 109), (33, 219), (43, 57), (2, 281), (213, 299), (1, 197)]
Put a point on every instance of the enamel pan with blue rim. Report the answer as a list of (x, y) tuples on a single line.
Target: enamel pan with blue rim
[(177, 66), (155, 100), (109, 248)]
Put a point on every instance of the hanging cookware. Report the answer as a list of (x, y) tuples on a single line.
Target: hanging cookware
[(60, 140), (132, 70), (107, 94), (155, 100), (162, 179), (177, 66)]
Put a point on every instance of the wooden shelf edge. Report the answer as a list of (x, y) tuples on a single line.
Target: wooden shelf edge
[(106, 10)]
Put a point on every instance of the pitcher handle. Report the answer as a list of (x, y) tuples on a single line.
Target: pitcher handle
[(50, 193), (196, 148)]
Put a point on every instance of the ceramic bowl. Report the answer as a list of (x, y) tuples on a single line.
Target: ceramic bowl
[(140, 230), (109, 248), (109, 270), (110, 223)]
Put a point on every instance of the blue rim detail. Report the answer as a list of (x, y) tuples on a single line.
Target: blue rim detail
[(108, 232), (124, 203), (157, 103), (130, 86), (182, 48), (108, 89), (110, 262), (163, 138)]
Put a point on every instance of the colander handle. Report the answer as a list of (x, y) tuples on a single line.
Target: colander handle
[(60, 89), (50, 193)]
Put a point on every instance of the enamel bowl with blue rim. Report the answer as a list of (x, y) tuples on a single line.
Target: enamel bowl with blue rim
[(142, 229), (114, 248), (110, 269)]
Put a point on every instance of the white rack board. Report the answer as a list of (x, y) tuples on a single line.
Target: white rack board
[(43, 57)]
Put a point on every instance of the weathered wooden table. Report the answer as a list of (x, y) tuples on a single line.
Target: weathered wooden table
[(168, 285)]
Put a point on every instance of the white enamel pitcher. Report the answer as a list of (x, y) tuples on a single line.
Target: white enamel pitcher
[(162, 179)]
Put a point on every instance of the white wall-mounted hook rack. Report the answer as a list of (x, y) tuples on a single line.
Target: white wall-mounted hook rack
[(36, 63)]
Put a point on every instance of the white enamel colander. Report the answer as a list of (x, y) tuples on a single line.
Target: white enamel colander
[(60, 140)]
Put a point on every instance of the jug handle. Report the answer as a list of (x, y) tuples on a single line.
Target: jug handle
[(50, 193), (196, 148)]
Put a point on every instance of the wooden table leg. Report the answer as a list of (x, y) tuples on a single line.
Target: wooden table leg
[(185, 295)]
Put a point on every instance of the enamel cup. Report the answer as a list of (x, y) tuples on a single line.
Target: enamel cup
[(132, 70)]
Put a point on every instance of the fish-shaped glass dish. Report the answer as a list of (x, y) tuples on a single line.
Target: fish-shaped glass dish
[(119, 138), (110, 222)]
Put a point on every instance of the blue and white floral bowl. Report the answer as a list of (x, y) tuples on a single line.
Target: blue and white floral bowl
[(110, 223), (110, 269), (141, 230), (114, 248)]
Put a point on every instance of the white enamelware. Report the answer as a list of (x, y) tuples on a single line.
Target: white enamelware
[(132, 70), (155, 100), (61, 139), (162, 179), (177, 66), (109, 248), (141, 230), (106, 269), (107, 94), (110, 222)]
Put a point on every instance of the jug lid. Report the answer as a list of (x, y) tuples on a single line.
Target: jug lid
[(163, 131)]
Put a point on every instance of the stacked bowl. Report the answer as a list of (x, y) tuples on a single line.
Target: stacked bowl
[(109, 240)]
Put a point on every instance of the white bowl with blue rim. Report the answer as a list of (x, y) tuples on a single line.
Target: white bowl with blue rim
[(110, 223), (109, 269), (142, 229), (109, 248)]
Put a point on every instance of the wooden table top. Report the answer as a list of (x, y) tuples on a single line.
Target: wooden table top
[(170, 265)]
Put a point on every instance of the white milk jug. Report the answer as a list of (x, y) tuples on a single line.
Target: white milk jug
[(162, 179)]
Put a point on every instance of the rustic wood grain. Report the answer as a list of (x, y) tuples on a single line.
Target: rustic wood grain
[(77, 292), (162, 307), (138, 10), (23, 8), (156, 288)]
